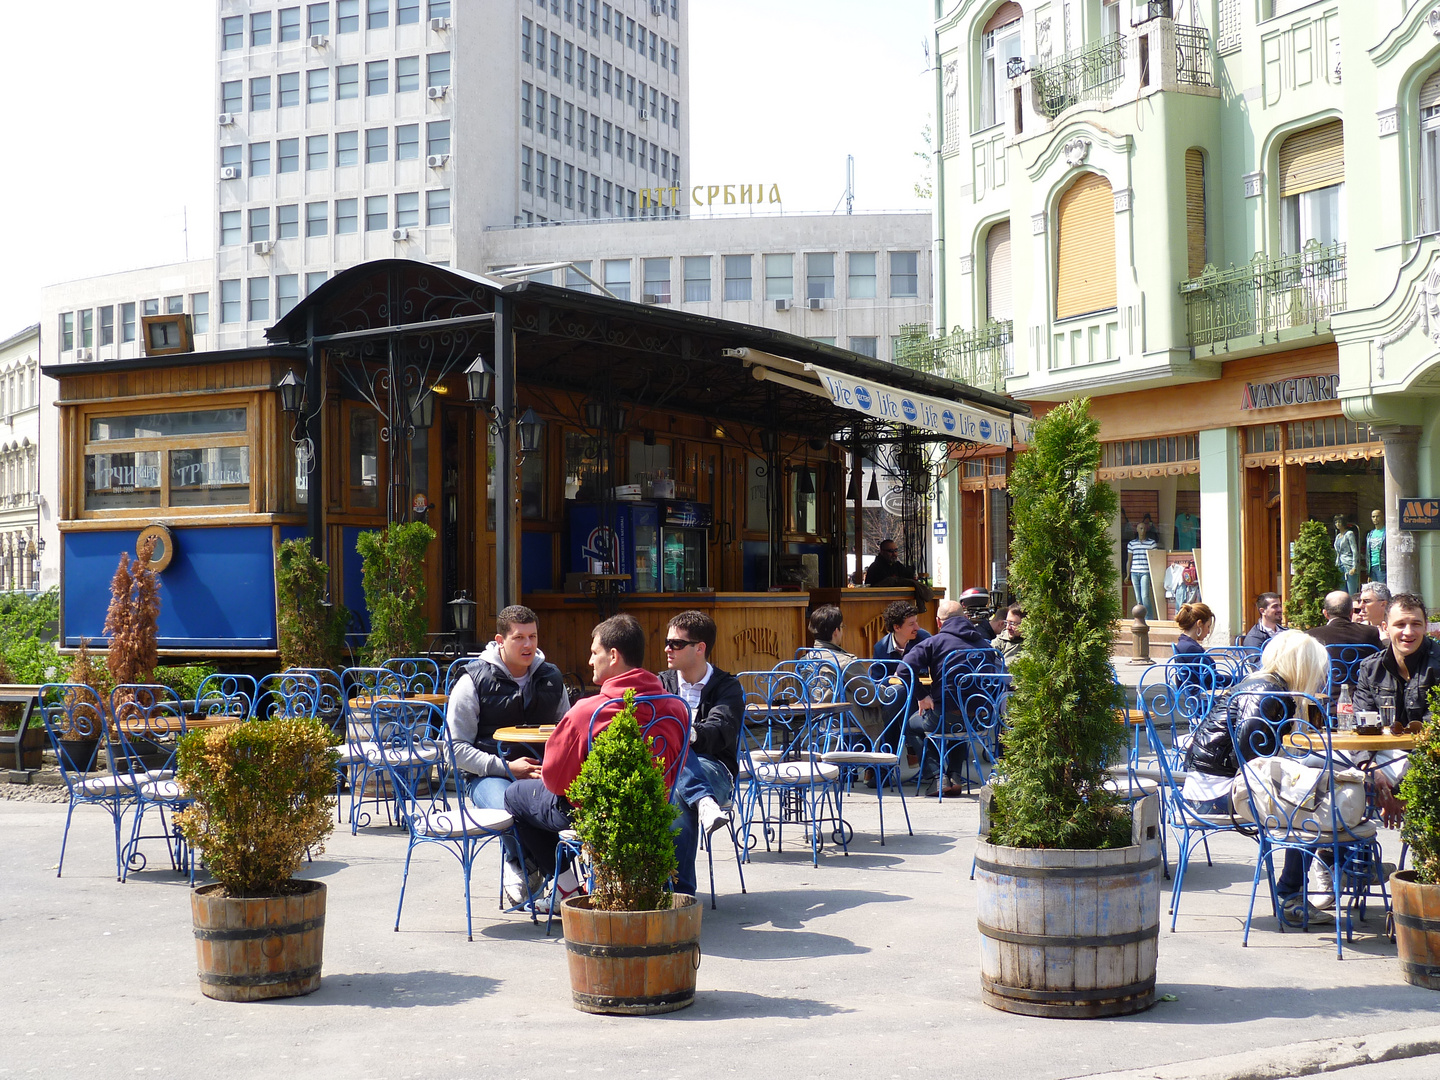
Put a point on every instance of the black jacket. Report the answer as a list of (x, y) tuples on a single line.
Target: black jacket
[(1379, 682), (717, 721), (1345, 632), (1257, 637), (928, 657), (1252, 715), (500, 703)]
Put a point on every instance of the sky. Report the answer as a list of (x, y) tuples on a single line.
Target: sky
[(106, 143)]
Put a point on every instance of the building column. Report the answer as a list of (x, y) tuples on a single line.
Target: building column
[(1402, 481), (1221, 499)]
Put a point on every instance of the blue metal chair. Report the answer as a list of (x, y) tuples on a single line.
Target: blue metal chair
[(418, 674), (226, 695), (411, 738), (1176, 697), (1345, 661), (330, 707), (148, 723), (456, 669), (1295, 731), (950, 733), (288, 695), (360, 688), (75, 719), (882, 687), (1232, 664)]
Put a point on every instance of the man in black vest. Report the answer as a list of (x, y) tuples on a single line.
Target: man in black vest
[(717, 706), (510, 683)]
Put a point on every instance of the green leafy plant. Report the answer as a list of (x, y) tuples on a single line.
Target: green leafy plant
[(1314, 575), (133, 621), (28, 629), (263, 796), (185, 679), (623, 815), (1420, 791), (1062, 711), (393, 572), (312, 631)]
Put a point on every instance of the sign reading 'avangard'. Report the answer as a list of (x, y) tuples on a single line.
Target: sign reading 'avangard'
[(1297, 391)]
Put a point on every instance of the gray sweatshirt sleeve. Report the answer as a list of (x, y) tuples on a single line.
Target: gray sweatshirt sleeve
[(461, 718)]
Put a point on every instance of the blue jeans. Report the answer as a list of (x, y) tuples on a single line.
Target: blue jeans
[(1144, 593), (488, 793), (702, 777), (923, 723)]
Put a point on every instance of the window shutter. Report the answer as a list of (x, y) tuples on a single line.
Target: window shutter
[(1311, 159), (1004, 15), (1195, 212), (1430, 92), (1086, 243), (997, 272)]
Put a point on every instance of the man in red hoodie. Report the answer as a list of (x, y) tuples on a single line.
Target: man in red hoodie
[(539, 807)]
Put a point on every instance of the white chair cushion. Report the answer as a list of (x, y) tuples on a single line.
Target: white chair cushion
[(473, 821), (352, 753), (767, 753), (162, 791), (797, 772), (860, 757), (100, 786), (1139, 786), (426, 755)]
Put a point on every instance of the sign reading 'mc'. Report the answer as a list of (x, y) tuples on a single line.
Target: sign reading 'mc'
[(1296, 391), (1418, 514)]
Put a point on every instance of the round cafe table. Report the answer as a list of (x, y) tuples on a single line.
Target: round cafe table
[(532, 738), (1352, 742)]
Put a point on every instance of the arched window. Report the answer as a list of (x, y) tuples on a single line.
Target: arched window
[(999, 43), (1312, 187), (1085, 248), (998, 303)]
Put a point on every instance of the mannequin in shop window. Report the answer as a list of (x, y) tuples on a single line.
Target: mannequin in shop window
[(1139, 550), (1375, 547), (1347, 555), (1187, 528)]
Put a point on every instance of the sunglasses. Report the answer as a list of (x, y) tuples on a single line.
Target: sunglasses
[(676, 644)]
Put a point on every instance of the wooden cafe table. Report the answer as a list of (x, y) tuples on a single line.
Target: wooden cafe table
[(1350, 741), (531, 737)]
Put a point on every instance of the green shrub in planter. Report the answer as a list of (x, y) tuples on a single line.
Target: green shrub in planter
[(1420, 791), (1315, 574), (393, 572)]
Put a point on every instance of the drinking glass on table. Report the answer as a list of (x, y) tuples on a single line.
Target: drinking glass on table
[(1387, 717)]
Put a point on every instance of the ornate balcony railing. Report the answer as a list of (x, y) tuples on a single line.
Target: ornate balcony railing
[(1193, 66), (982, 357), (1266, 296), (1088, 74)]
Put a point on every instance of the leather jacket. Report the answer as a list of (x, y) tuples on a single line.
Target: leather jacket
[(1251, 715), (1379, 682)]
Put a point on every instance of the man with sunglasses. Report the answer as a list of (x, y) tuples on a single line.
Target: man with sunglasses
[(717, 706), (887, 569)]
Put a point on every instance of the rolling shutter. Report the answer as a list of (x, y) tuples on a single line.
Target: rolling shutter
[(1004, 15), (1311, 159), (1086, 242), (1194, 212), (997, 272), (1430, 92)]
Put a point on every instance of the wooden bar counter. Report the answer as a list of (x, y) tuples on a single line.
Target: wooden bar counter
[(864, 609)]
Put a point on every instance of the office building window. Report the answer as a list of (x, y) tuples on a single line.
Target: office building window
[(630, 89), (569, 187), (287, 85), (904, 273), (260, 159), (439, 9), (555, 116), (107, 326), (287, 293), (675, 59), (630, 34), (347, 81), (608, 129), (555, 179), (652, 44), (316, 214), (347, 16), (437, 137), (580, 121), (67, 331), (697, 279), (595, 76), (347, 148), (437, 69), (861, 285), (594, 136), (317, 19), (258, 290), (317, 152), (630, 147), (541, 161), (377, 14), (259, 223), (230, 156), (737, 277), (526, 167), (152, 307), (229, 302), (569, 64), (605, 20), (377, 145), (377, 77), (260, 28), (594, 18), (347, 216), (608, 188), (526, 32), (232, 33), (525, 91), (865, 346), (569, 124), (127, 323), (407, 209), (232, 97), (629, 203), (437, 207), (594, 196), (200, 304), (407, 142), (317, 85), (407, 74), (290, 24), (87, 329), (540, 100), (580, 190), (779, 277), (314, 279), (260, 94), (229, 228), (377, 213), (617, 277), (570, 10), (174, 305), (287, 155), (581, 57), (287, 221), (555, 55), (576, 275), (407, 12), (605, 82)]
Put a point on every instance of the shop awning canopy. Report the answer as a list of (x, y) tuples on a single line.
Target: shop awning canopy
[(641, 354)]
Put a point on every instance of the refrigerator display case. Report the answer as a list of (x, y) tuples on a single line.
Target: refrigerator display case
[(663, 546)]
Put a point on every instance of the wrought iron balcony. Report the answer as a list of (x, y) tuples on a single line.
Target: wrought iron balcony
[(982, 357), (1088, 74), (1193, 66), (1266, 296)]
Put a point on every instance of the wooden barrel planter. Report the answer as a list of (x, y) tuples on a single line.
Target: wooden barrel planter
[(25, 752), (252, 948), (1416, 911), (1068, 933), (632, 963)]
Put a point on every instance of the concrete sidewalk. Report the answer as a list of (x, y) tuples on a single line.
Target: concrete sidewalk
[(866, 964)]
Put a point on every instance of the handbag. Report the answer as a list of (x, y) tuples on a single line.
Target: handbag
[(1283, 790)]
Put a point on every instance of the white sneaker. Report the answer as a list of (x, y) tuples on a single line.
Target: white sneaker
[(512, 884), (712, 816), (1322, 891)]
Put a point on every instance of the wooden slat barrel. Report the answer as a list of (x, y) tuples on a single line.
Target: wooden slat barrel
[(1416, 911), (632, 962), (249, 949), (1071, 933)]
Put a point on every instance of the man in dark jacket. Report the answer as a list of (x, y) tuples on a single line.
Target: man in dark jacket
[(1269, 624), (706, 785), (1340, 630), (901, 622), (1403, 674), (927, 658)]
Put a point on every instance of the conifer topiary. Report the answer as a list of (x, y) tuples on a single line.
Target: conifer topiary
[(1062, 712), (1315, 574)]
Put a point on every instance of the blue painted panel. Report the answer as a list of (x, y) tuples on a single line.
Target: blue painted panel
[(218, 591), (755, 576), (537, 561), (354, 581)]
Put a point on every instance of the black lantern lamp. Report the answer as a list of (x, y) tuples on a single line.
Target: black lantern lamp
[(421, 407), (856, 476), (594, 415), (529, 427), (481, 377), (768, 441), (806, 485), (291, 391), (873, 495), (462, 613)]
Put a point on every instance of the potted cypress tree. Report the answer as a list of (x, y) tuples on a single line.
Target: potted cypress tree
[(1068, 876), (634, 948), (392, 569), (1315, 574), (1415, 893), (262, 798)]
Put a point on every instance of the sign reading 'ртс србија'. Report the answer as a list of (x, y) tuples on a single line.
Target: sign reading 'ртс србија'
[(1296, 391)]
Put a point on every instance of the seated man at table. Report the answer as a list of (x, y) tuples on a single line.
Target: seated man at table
[(717, 707), (539, 807), (901, 623), (1340, 629), (827, 628), (1268, 625), (510, 683), (1374, 600)]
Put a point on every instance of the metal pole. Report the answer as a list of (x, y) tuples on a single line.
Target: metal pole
[(314, 431), (506, 541)]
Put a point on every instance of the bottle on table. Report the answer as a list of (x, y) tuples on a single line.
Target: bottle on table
[(1345, 710)]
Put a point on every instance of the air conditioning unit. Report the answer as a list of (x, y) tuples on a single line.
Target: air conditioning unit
[(655, 8), (817, 304), (644, 114), (650, 298), (230, 172), (399, 234), (783, 305), (437, 161), (318, 41), (261, 247), (83, 354), (439, 24), (226, 119), (435, 93)]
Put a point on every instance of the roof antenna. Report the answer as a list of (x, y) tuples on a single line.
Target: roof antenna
[(849, 197)]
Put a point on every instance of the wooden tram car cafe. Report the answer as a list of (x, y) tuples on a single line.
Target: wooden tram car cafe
[(573, 452)]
